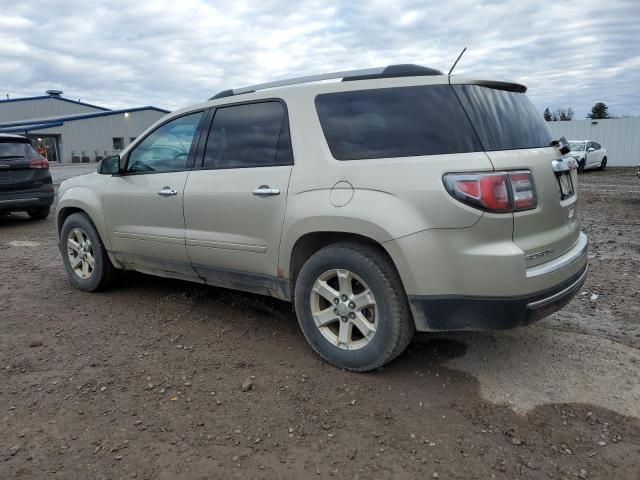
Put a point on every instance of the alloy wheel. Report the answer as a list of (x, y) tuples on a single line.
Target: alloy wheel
[(344, 309), (80, 253)]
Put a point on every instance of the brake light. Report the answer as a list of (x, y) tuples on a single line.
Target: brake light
[(39, 162), (524, 196), (494, 192)]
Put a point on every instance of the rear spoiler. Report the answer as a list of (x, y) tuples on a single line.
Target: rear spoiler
[(495, 84)]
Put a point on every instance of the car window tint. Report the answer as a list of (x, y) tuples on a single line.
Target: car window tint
[(17, 150), (596, 146), (248, 136), (504, 120), (395, 122), (167, 148)]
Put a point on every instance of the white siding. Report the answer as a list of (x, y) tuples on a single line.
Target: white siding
[(40, 108), (93, 135), (620, 136)]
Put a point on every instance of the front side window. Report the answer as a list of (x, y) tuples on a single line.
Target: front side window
[(249, 135), (395, 122), (167, 148)]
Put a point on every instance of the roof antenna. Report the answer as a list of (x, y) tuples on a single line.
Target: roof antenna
[(457, 60)]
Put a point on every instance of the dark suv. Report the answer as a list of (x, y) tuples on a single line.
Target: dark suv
[(25, 180)]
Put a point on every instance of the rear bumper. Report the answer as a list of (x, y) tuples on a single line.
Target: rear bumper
[(21, 201), (451, 312)]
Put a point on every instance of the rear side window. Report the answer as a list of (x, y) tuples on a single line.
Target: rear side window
[(249, 135), (504, 120), (17, 150), (395, 122)]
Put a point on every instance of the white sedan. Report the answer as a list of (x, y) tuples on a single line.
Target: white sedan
[(589, 154)]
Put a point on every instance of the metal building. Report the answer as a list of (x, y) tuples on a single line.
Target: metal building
[(65, 130), (620, 136)]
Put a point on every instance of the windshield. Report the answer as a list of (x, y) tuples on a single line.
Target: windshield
[(577, 146)]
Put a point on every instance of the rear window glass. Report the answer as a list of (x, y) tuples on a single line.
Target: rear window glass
[(504, 120), (395, 122), (17, 150)]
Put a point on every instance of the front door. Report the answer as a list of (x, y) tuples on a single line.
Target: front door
[(144, 206), (593, 155), (235, 199)]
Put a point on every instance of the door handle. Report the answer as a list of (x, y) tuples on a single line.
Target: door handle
[(265, 191), (167, 192)]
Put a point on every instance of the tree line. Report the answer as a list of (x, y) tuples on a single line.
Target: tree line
[(598, 111)]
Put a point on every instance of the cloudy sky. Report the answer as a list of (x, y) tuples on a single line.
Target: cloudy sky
[(171, 54)]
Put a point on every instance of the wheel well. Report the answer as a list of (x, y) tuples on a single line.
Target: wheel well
[(65, 213), (310, 243)]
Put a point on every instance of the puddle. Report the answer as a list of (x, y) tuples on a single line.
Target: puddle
[(533, 366)]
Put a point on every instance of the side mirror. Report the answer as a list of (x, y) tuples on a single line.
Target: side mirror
[(591, 149), (109, 165)]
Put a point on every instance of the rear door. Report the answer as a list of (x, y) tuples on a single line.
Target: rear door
[(235, 199), (515, 137)]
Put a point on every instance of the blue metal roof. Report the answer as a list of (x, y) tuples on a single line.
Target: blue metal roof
[(28, 128), (57, 121), (52, 97)]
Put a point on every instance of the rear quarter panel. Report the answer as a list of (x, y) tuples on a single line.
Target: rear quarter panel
[(390, 198)]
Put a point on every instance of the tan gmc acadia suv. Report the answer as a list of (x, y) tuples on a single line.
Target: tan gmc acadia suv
[(398, 199)]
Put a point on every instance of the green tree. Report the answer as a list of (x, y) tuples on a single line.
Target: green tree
[(599, 110), (547, 114)]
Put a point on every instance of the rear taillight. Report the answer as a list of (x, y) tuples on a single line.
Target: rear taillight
[(39, 162), (494, 192)]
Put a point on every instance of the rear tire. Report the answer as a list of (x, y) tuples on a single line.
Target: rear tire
[(603, 164), (365, 275), (39, 213), (83, 254)]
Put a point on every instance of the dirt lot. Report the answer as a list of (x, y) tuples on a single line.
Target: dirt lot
[(144, 381)]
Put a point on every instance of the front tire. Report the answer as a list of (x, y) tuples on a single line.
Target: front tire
[(603, 164), (39, 213), (352, 307), (581, 164), (83, 254)]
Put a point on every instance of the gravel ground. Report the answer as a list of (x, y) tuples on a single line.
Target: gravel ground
[(165, 379)]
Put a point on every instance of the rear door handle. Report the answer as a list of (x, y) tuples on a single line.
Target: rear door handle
[(167, 192), (264, 190)]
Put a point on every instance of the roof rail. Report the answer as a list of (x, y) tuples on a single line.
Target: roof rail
[(405, 70)]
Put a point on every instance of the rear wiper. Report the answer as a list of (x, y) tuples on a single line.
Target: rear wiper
[(5, 157)]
